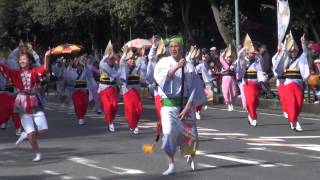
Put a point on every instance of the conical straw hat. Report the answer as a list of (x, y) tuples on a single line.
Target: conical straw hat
[(109, 49), (249, 45)]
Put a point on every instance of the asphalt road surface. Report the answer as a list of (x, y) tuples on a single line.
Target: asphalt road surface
[(229, 148)]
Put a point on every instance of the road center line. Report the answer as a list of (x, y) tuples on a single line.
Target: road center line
[(234, 159)]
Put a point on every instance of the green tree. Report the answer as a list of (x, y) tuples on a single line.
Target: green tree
[(305, 17), (223, 12)]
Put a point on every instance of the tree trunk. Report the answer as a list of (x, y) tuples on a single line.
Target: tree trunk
[(185, 12), (93, 45), (224, 32), (314, 31)]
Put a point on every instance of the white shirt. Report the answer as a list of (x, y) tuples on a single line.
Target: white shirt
[(285, 62), (205, 71), (106, 70), (170, 87), (70, 76), (243, 65)]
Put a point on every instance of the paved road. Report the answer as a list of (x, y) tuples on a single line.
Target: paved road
[(229, 149)]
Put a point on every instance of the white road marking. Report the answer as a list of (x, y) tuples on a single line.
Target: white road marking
[(262, 139), (54, 173), (222, 109), (207, 129), (96, 117), (244, 161), (289, 137), (93, 178), (128, 171), (311, 148), (115, 170), (203, 165), (221, 134), (268, 165), (283, 164), (51, 172), (239, 160), (148, 125), (284, 145), (273, 151), (66, 177)]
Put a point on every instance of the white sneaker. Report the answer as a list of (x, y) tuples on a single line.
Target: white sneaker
[(191, 163), (285, 115), (205, 107), (298, 127), (4, 126), (22, 137), (135, 131), (170, 170), (291, 126), (229, 107), (254, 123), (81, 122), (37, 158), (198, 116), (111, 128), (251, 121), (316, 102), (18, 131)]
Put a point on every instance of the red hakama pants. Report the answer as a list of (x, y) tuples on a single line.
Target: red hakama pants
[(109, 99), (132, 107), (252, 92), (282, 98), (294, 100), (157, 102), (198, 108), (80, 100), (7, 108)]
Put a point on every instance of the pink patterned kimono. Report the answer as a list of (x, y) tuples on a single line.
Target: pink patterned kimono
[(229, 86)]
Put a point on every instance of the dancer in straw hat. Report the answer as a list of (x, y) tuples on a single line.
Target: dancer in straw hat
[(296, 71), (131, 88), (75, 80), (249, 71), (229, 86), (107, 87)]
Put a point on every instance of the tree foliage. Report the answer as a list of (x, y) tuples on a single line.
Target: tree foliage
[(93, 22)]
